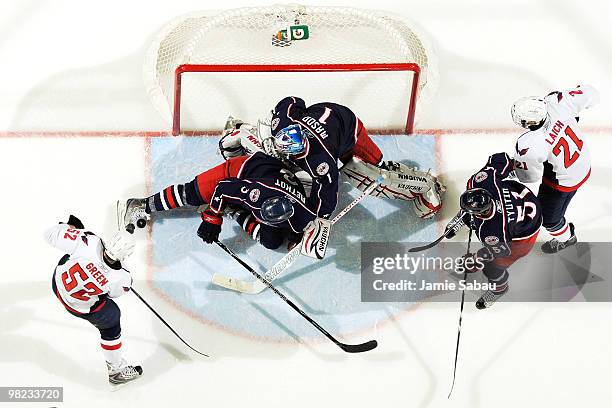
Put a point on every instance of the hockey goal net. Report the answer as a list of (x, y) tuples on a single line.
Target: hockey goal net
[(203, 67)]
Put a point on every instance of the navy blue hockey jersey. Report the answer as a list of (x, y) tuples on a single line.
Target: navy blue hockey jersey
[(516, 214), (260, 178), (332, 130)]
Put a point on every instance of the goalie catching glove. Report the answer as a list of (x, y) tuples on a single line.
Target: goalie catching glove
[(239, 139)]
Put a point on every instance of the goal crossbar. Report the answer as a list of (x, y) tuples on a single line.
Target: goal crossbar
[(202, 68)]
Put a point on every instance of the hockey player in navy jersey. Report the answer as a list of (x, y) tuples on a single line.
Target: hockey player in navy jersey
[(315, 138), (265, 198), (505, 216)]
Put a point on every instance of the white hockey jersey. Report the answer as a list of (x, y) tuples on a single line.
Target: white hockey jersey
[(557, 153), (84, 279)]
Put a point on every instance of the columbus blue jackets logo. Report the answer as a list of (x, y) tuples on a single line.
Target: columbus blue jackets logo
[(322, 169), (491, 240), (480, 177), (254, 194)]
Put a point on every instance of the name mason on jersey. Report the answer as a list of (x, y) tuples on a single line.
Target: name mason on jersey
[(315, 126)]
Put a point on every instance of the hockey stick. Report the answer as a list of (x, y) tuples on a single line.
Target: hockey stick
[(256, 286), (460, 318), (349, 348), (164, 322), (456, 226)]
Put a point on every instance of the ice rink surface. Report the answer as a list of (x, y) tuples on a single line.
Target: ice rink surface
[(80, 133)]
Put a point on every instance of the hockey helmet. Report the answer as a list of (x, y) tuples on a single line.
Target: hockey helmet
[(275, 210), (290, 141), (529, 112), (476, 201)]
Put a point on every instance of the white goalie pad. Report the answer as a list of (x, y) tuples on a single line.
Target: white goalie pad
[(401, 183), (316, 237)]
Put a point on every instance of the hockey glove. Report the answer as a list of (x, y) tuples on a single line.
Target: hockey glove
[(210, 228), (75, 222)]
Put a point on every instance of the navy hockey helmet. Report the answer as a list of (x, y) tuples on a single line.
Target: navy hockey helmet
[(476, 201), (275, 210)]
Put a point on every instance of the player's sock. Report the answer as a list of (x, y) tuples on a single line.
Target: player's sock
[(112, 350), (167, 199), (501, 283), (563, 233)]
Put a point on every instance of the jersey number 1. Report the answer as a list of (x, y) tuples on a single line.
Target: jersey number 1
[(563, 144), (70, 281)]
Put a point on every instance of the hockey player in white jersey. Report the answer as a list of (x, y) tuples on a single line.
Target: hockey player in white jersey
[(86, 280), (554, 151)]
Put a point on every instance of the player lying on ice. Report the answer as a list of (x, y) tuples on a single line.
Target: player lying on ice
[(87, 279), (265, 198), (313, 139), (505, 216), (554, 153)]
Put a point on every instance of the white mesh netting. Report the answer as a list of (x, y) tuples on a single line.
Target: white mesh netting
[(245, 36)]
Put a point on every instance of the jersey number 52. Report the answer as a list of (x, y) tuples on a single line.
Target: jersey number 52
[(71, 279)]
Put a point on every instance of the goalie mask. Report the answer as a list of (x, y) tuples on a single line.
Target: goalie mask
[(476, 201), (275, 210), (529, 112), (290, 141)]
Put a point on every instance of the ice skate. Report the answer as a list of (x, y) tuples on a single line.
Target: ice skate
[(488, 298), (122, 373), (132, 212), (554, 246)]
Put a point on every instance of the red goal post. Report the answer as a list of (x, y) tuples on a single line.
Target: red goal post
[(409, 67)]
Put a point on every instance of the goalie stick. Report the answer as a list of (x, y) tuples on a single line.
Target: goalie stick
[(349, 348), (257, 286)]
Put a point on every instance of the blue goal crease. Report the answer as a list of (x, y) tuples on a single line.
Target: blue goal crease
[(329, 289)]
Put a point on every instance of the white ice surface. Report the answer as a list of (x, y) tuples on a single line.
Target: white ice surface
[(75, 66)]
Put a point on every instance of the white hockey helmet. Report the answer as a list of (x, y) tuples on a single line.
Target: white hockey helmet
[(529, 112), (120, 246)]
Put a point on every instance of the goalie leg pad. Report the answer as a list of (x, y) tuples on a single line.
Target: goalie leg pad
[(400, 183)]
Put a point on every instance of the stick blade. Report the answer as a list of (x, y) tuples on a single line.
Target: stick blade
[(425, 247), (248, 287), (359, 348)]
